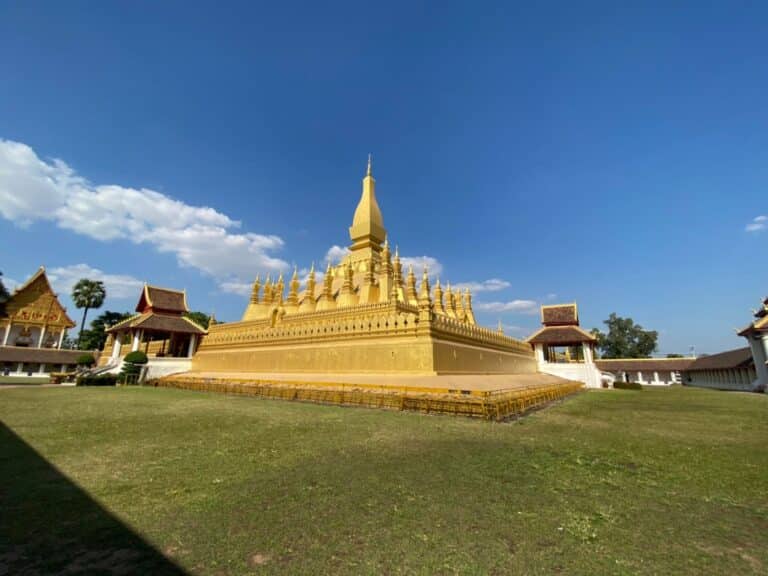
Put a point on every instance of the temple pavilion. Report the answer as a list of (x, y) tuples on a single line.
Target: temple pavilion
[(365, 314), (32, 329), (563, 348), (159, 328)]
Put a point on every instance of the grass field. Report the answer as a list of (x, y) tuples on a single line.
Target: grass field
[(25, 380), (661, 481)]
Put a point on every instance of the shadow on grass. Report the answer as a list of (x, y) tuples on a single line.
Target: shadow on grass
[(48, 525)]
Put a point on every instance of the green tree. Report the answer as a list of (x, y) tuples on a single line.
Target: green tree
[(625, 339), (87, 294), (95, 337), (199, 318), (675, 356), (4, 295)]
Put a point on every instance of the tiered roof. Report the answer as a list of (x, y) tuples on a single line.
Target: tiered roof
[(561, 327), (160, 310)]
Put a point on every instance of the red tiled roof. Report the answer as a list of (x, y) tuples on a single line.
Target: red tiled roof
[(739, 358), (560, 315), (162, 299), (159, 323), (40, 355), (640, 364), (561, 336)]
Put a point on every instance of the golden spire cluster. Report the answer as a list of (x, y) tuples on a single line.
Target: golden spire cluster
[(369, 274)]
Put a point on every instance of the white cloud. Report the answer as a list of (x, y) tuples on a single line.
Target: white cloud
[(418, 263), (236, 287), (335, 254), (758, 223), (116, 285), (512, 329), (518, 306), (33, 189), (9, 283), (492, 285)]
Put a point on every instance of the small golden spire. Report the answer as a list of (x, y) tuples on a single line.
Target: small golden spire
[(369, 172)]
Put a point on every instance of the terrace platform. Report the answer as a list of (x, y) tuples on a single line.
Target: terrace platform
[(492, 397)]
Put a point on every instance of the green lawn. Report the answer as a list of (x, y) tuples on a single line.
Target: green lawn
[(661, 481), (26, 380)]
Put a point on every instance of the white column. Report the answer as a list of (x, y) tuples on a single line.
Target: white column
[(63, 368), (656, 378), (42, 335), (20, 368), (587, 349), (640, 376), (539, 351), (7, 333), (61, 338), (192, 342), (42, 368), (136, 340), (116, 345)]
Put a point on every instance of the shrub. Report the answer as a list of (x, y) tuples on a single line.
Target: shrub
[(100, 380), (86, 360), (132, 364), (137, 357), (627, 385)]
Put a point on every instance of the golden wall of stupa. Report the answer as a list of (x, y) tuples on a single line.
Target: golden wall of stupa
[(365, 315)]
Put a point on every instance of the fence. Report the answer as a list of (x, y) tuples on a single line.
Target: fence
[(489, 405)]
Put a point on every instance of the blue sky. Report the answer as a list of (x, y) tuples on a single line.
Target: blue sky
[(615, 154)]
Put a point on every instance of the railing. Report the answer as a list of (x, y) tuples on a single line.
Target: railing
[(489, 405)]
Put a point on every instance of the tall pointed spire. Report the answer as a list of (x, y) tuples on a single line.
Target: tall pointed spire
[(367, 230), (410, 288), (293, 292), (308, 302), (255, 290)]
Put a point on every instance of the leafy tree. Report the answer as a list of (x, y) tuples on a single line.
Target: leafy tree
[(86, 360), (675, 356), (4, 295), (625, 339), (199, 318), (95, 337), (87, 294)]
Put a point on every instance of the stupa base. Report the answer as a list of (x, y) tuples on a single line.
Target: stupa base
[(491, 397)]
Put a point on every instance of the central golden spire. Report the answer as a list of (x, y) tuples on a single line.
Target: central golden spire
[(367, 230)]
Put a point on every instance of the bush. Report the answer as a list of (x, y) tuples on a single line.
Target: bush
[(86, 360), (101, 380), (627, 385), (132, 364), (137, 357)]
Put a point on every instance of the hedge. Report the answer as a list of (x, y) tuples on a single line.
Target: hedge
[(627, 385), (100, 380), (86, 360)]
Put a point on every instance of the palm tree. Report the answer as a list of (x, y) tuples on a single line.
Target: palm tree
[(87, 294)]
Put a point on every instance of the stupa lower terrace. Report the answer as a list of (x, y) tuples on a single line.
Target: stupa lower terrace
[(364, 316)]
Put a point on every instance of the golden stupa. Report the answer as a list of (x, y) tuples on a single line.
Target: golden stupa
[(364, 316)]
